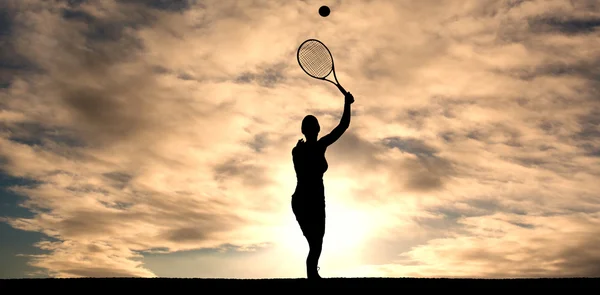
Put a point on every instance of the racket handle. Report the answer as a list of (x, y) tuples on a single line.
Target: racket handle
[(341, 89)]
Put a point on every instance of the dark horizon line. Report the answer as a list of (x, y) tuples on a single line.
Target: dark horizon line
[(301, 278)]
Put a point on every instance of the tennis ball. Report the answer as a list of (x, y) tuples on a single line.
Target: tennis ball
[(324, 11)]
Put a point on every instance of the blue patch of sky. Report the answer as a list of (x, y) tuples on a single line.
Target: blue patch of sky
[(14, 242)]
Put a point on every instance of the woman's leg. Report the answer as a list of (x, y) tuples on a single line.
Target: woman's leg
[(312, 223), (315, 244)]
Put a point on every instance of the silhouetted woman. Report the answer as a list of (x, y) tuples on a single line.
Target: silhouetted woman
[(308, 201)]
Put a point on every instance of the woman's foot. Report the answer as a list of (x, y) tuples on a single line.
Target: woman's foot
[(314, 274)]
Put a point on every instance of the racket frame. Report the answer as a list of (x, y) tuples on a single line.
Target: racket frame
[(336, 83)]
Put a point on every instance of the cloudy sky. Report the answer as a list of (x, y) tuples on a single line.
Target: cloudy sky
[(153, 138)]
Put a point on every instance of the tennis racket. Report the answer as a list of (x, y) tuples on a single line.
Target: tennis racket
[(316, 60)]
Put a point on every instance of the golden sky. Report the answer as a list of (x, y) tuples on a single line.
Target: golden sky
[(157, 136)]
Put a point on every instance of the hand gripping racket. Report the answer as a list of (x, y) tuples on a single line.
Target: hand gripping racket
[(316, 60)]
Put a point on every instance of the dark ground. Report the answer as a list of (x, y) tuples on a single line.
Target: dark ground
[(400, 285)]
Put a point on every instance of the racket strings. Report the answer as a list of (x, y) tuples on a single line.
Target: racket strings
[(318, 59), (315, 59)]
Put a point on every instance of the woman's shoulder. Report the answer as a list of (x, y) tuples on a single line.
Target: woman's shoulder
[(298, 150), (308, 148), (320, 144)]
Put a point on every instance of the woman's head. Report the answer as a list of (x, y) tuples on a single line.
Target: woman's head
[(310, 126)]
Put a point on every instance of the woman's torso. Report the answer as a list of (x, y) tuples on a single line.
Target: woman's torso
[(310, 165)]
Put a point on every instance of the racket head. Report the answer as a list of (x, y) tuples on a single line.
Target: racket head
[(315, 59)]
